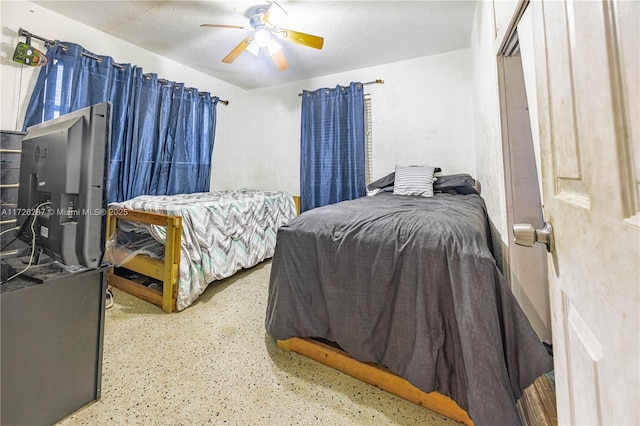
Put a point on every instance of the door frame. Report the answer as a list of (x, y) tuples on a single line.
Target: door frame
[(525, 268)]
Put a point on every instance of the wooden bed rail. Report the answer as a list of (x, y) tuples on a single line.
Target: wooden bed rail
[(166, 270), (375, 375), (296, 201)]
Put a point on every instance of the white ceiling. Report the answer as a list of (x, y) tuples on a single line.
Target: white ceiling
[(357, 34)]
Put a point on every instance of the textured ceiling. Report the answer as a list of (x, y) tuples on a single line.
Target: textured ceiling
[(357, 34)]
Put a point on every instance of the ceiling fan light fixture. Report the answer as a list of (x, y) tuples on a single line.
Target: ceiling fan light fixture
[(262, 37), (253, 47)]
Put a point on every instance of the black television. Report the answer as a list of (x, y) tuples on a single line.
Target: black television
[(63, 169)]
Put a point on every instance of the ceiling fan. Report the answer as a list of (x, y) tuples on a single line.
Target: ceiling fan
[(265, 23)]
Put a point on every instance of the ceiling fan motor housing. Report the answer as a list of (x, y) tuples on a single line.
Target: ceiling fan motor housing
[(257, 20)]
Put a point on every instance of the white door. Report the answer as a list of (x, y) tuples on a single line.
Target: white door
[(587, 74)]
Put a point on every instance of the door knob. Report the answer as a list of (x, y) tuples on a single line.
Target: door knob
[(526, 235)]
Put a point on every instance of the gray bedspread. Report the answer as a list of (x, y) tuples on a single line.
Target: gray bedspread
[(409, 283)]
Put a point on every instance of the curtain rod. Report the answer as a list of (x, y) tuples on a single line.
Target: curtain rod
[(376, 81), (24, 33)]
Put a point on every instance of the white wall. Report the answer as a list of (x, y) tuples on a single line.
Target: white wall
[(422, 114), (16, 81), (486, 119)]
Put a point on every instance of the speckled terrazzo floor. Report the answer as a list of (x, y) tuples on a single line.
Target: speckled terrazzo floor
[(213, 363)]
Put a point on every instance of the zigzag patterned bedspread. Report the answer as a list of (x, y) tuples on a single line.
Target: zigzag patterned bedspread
[(222, 232)]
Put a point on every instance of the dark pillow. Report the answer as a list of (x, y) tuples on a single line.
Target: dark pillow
[(460, 183), (382, 182)]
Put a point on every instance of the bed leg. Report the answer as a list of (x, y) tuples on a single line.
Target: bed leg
[(285, 345), (171, 264)]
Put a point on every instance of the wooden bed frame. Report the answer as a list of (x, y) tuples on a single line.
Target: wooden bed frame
[(375, 375), (166, 270)]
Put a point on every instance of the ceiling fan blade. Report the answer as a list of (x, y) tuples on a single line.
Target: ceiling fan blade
[(280, 60), (237, 51), (224, 26), (301, 38), (274, 15)]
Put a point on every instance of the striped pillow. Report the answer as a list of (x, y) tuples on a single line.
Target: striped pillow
[(414, 180)]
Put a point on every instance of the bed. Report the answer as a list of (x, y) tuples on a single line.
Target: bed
[(167, 249), (404, 292)]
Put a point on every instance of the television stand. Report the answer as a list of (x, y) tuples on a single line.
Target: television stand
[(39, 258), (51, 333)]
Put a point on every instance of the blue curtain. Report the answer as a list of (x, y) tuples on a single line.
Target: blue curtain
[(332, 149), (162, 133)]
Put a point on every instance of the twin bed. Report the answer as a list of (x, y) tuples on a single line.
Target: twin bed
[(409, 283), (400, 291), (178, 244)]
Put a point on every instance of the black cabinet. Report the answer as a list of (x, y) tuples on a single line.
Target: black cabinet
[(51, 343)]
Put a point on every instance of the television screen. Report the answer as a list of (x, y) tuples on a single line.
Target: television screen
[(62, 195)]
